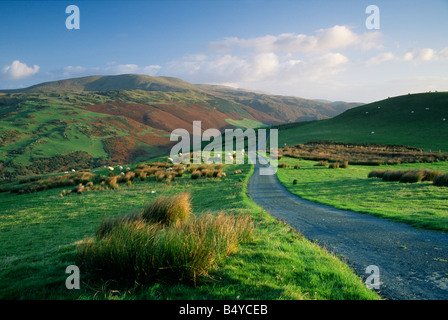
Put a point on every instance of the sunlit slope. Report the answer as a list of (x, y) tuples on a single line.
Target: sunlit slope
[(418, 120)]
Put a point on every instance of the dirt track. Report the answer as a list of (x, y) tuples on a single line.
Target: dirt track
[(413, 263)]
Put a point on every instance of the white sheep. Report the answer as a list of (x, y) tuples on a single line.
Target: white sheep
[(128, 169), (153, 191), (168, 170), (73, 170), (111, 168), (120, 167), (170, 160)]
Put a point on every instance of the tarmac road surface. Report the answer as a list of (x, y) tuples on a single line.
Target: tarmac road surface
[(412, 263)]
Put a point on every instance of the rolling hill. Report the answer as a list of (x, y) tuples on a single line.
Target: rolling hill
[(417, 120), (97, 120)]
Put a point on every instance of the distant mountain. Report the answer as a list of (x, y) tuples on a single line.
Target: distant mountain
[(125, 118), (109, 83), (415, 120)]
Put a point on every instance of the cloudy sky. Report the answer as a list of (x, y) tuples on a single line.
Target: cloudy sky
[(312, 49)]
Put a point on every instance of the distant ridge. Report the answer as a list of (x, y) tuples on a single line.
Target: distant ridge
[(110, 83)]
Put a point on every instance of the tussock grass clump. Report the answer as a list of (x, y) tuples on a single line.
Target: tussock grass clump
[(168, 209), (133, 248), (196, 174), (393, 175), (376, 174), (431, 175), (334, 165), (406, 176), (441, 181), (284, 165), (112, 182), (159, 176), (412, 176), (109, 223), (321, 163)]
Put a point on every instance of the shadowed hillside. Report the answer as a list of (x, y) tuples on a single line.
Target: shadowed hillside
[(417, 120)]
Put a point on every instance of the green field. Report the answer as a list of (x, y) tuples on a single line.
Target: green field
[(415, 120), (420, 204), (39, 233)]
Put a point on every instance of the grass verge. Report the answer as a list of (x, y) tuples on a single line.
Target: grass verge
[(40, 233), (421, 204)]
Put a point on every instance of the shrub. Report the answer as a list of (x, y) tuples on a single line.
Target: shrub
[(295, 181), (30, 179), (344, 164), (168, 209), (297, 166)]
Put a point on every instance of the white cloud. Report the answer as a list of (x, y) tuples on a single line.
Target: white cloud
[(18, 70), (335, 38), (422, 55), (257, 68)]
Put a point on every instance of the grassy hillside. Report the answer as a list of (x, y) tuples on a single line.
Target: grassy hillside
[(421, 204), (124, 118), (415, 120), (40, 232)]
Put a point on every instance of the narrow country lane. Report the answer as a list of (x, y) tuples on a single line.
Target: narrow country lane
[(412, 262)]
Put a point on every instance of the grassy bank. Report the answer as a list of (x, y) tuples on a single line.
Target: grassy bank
[(419, 204), (39, 234)]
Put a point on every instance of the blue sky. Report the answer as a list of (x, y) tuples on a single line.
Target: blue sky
[(311, 49)]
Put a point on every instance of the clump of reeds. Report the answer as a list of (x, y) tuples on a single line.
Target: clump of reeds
[(376, 174), (284, 165), (168, 209), (441, 181), (142, 247), (334, 165), (321, 163)]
